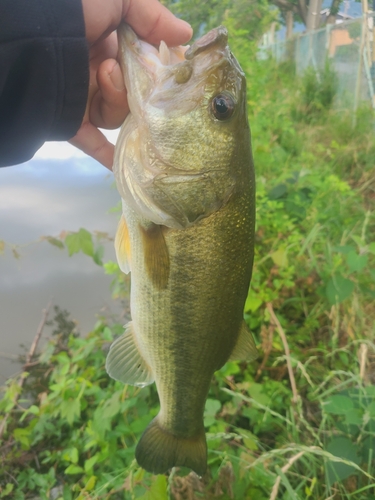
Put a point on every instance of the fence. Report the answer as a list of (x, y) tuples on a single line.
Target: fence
[(349, 46)]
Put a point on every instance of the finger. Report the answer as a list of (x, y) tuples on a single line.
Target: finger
[(104, 49), (93, 142), (109, 106), (101, 18), (154, 22)]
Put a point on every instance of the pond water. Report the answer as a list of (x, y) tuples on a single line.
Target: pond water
[(44, 197)]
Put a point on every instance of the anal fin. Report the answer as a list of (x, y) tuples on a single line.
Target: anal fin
[(122, 246), (245, 348), (126, 363)]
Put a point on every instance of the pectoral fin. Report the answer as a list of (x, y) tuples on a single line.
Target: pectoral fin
[(122, 246), (156, 255), (126, 363), (245, 348)]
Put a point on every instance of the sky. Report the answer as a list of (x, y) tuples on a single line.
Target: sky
[(59, 189)]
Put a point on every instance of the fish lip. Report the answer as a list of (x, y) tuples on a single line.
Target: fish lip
[(216, 37)]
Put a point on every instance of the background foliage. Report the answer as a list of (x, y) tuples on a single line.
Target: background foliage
[(273, 432)]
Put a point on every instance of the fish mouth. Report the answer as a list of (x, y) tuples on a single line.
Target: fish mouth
[(155, 59), (217, 38)]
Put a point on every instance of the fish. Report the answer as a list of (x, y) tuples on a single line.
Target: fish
[(184, 170)]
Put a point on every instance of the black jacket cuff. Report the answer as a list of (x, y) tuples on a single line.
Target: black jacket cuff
[(44, 74)]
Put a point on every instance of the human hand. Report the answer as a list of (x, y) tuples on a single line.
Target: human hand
[(107, 105)]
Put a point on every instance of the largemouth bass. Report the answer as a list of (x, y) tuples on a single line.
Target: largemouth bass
[(184, 169)]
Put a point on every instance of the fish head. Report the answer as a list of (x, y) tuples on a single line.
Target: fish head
[(188, 113)]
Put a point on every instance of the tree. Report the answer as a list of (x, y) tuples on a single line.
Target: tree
[(307, 11), (253, 17)]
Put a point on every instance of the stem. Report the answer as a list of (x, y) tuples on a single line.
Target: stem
[(287, 351)]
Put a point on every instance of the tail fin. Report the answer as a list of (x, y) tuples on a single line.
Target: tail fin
[(158, 450)]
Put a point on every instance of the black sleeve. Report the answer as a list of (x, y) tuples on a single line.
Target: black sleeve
[(43, 74)]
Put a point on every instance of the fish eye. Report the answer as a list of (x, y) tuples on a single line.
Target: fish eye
[(223, 106)]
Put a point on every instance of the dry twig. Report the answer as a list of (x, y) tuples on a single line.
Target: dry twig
[(284, 469), (27, 364), (287, 351)]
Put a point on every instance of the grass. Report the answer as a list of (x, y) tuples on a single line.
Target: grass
[(299, 423)]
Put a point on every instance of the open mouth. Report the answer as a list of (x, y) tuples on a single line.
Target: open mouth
[(149, 55), (156, 58)]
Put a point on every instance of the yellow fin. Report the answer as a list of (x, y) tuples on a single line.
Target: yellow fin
[(122, 246), (245, 348), (156, 255), (158, 450), (125, 362)]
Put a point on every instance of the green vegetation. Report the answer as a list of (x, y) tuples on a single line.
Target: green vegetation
[(299, 423)]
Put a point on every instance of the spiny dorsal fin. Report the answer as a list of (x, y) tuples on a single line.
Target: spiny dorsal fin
[(245, 348), (126, 363), (122, 246), (156, 255), (158, 450)]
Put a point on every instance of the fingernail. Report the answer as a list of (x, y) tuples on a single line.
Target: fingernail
[(116, 78)]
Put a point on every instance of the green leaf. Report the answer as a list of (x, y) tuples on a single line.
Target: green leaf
[(70, 409), (230, 368), (338, 405), (354, 416), (23, 436), (8, 489), (67, 492), (338, 289), (81, 241), (54, 241), (371, 247), (212, 407), (74, 469), (252, 302), (90, 462), (34, 410), (278, 191), (256, 392), (343, 448), (356, 262), (112, 406), (210, 411), (280, 257), (158, 490), (249, 440), (345, 249), (371, 409), (90, 485), (111, 267), (71, 455)]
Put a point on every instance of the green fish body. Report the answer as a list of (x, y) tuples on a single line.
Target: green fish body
[(184, 169)]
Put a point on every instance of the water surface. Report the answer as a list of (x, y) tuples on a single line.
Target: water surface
[(44, 197)]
